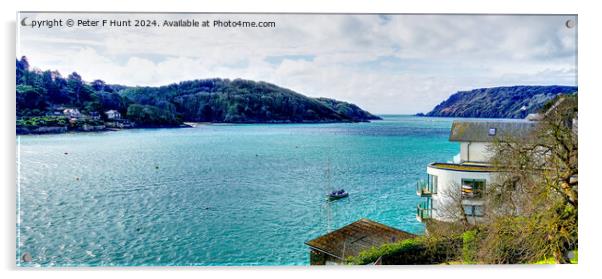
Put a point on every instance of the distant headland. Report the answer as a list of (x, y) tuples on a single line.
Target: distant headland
[(499, 102), (50, 103)]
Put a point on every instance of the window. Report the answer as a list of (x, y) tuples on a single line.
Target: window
[(473, 188), (474, 210), (432, 183), (492, 131)]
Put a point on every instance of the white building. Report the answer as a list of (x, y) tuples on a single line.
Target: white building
[(72, 113), (464, 180), (113, 114)]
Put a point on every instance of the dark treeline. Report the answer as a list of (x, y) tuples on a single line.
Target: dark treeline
[(211, 100), (243, 101)]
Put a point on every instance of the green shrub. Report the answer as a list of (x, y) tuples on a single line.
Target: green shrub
[(146, 115), (42, 121), (419, 250), (469, 247)]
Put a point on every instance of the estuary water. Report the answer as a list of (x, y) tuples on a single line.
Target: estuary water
[(216, 194)]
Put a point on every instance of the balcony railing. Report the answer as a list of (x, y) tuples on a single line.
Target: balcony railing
[(423, 189), (423, 212)]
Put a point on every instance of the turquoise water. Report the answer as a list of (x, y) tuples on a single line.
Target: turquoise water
[(216, 194)]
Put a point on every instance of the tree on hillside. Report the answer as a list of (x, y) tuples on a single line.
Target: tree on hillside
[(22, 68), (78, 90), (150, 115), (75, 85), (99, 85), (30, 99)]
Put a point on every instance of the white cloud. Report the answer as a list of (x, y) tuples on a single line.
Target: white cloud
[(392, 64)]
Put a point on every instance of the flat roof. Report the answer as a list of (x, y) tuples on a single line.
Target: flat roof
[(490, 129), (360, 235), (464, 167)]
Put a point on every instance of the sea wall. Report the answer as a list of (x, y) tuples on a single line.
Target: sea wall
[(42, 130), (90, 128)]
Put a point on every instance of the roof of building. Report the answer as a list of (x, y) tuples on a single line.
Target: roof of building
[(488, 130), (469, 167), (360, 235)]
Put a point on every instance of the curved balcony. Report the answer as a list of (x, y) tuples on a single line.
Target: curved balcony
[(423, 212), (423, 189)]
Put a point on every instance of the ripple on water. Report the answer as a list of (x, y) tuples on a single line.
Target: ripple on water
[(217, 194)]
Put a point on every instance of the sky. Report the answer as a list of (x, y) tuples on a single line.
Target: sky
[(386, 64)]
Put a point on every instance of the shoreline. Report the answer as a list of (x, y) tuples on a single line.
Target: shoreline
[(50, 130), (56, 130)]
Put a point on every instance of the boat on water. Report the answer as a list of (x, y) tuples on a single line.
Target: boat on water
[(335, 194), (339, 194)]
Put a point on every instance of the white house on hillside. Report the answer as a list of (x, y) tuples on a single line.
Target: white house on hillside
[(113, 114), (72, 113), (465, 179)]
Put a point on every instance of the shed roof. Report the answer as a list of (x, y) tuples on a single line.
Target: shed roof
[(360, 235), (480, 130)]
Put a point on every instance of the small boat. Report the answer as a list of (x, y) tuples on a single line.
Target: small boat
[(335, 195)]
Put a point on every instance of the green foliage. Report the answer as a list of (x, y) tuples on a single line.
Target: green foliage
[(469, 246), (348, 109), (101, 101), (419, 250), (38, 92), (210, 100), (243, 101), (30, 98), (35, 122), (551, 260), (146, 115)]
